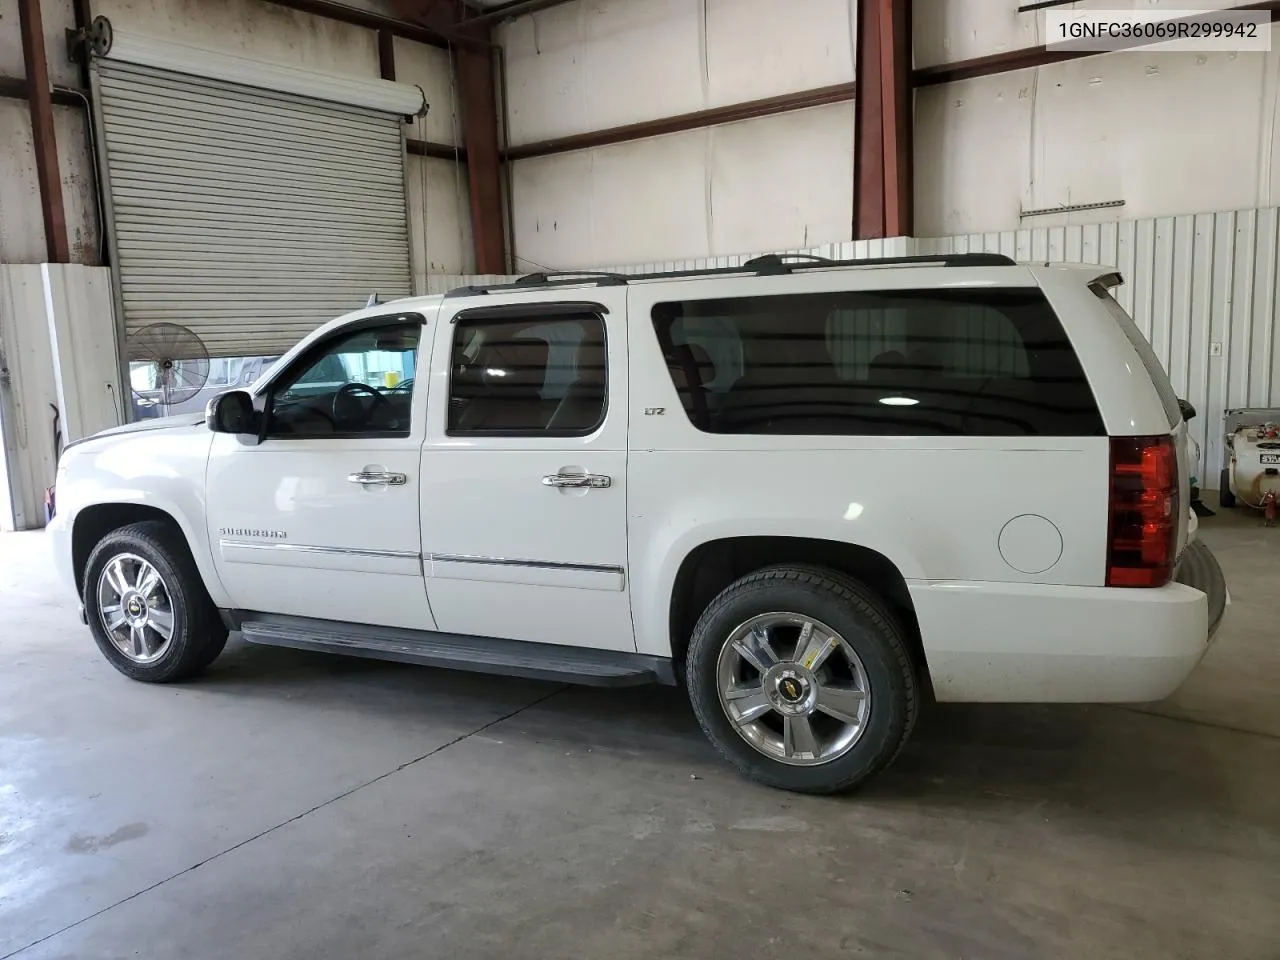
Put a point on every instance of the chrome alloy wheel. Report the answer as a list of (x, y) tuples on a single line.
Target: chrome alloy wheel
[(135, 608), (793, 688)]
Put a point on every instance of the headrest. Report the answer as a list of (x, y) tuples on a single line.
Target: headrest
[(889, 365), (928, 359), (687, 357), (513, 363), (592, 361)]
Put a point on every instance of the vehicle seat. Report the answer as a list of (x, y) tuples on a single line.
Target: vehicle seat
[(887, 368), (691, 370), (582, 406), (788, 385), (502, 387), (928, 363)]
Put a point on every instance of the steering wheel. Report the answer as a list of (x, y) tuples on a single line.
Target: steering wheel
[(347, 409)]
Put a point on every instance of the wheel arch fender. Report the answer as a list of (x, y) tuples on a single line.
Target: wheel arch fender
[(662, 574), (118, 509)]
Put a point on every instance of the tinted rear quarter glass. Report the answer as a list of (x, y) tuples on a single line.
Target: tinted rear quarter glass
[(994, 362)]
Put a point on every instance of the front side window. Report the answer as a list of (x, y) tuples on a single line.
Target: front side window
[(540, 376), (904, 363), (359, 383)]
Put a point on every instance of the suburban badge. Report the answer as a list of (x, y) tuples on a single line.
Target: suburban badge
[(249, 532)]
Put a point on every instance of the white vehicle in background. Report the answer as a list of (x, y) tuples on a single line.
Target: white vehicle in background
[(808, 491)]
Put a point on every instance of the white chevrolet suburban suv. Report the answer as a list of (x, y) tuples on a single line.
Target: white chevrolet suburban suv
[(812, 492)]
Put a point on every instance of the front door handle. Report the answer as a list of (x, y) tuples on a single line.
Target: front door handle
[(371, 478), (591, 480)]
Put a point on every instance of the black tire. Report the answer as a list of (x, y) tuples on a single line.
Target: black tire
[(1226, 499), (866, 623), (198, 631)]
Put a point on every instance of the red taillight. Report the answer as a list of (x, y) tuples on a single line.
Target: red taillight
[(1143, 536)]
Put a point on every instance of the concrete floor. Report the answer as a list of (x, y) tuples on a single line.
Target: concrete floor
[(294, 805)]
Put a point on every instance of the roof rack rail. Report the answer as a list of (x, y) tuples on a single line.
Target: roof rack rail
[(776, 263), (769, 264), (602, 278)]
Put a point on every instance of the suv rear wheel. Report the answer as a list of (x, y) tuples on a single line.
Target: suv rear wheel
[(147, 607), (801, 678)]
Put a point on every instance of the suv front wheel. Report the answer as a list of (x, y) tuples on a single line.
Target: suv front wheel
[(147, 607), (801, 678)]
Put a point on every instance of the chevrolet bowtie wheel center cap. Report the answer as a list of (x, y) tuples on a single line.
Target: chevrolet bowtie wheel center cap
[(790, 688)]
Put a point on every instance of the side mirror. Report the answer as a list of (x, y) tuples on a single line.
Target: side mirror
[(231, 412), (1188, 411)]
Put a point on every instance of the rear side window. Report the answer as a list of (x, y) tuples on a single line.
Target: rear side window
[(1168, 396), (540, 376), (911, 362)]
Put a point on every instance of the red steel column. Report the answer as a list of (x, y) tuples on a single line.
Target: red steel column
[(470, 39), (479, 105), (883, 167), (386, 54), (40, 98)]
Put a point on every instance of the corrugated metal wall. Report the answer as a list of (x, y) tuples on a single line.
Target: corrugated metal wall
[(1202, 288), (59, 371), (28, 393)]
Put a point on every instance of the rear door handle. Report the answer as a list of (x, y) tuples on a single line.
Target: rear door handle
[(371, 478), (593, 480)]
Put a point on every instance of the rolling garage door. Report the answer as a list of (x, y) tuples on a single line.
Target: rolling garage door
[(249, 215)]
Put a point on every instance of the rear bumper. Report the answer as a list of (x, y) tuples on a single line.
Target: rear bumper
[(1035, 643), (1199, 569)]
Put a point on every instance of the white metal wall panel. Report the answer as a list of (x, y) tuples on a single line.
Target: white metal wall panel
[(591, 65), (848, 250), (86, 357), (249, 216), (28, 393), (21, 220)]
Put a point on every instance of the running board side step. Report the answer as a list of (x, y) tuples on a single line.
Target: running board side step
[(515, 658)]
